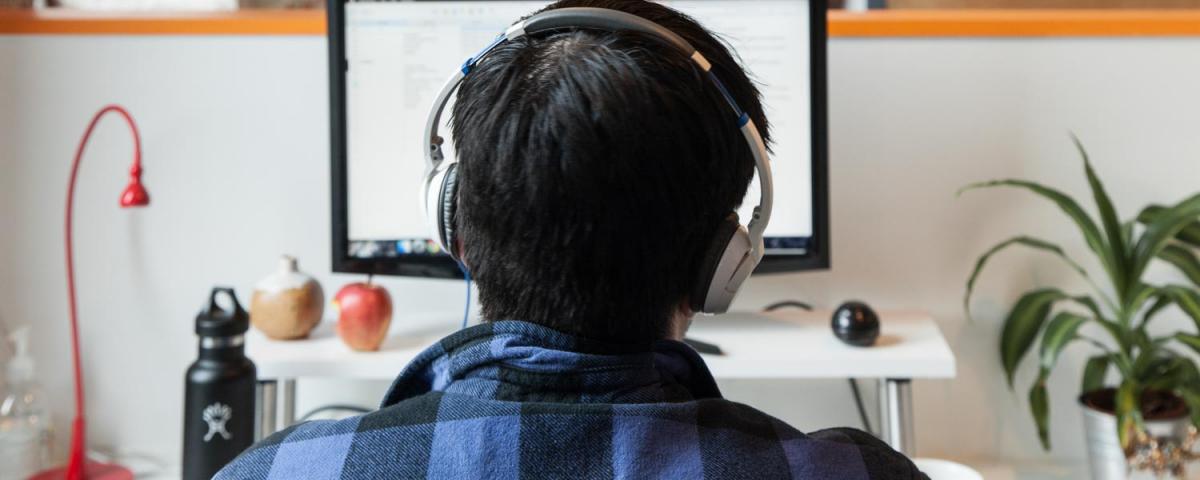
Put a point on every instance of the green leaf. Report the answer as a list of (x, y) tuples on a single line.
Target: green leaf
[(1190, 233), (1192, 341), (1059, 332), (1118, 334), (1114, 330), (1143, 341), (1161, 301), (1129, 414), (1124, 366), (1127, 231), (1187, 299), (1090, 304), (1087, 226), (1094, 373), (1039, 406), (1189, 374), (1184, 260), (1022, 326), (1168, 372), (1149, 355), (1027, 241), (1191, 396), (1161, 230), (1108, 218), (1138, 294)]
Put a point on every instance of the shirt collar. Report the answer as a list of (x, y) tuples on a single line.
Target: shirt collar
[(521, 361)]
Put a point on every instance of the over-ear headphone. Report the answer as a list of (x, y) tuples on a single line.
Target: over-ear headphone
[(735, 250)]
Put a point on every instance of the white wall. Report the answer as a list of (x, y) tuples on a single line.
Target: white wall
[(236, 158)]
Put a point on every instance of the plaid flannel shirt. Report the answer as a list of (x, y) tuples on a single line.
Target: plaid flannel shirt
[(517, 400)]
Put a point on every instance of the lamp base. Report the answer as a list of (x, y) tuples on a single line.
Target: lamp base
[(91, 471)]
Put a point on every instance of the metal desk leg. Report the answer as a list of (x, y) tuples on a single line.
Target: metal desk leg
[(895, 414), (288, 402), (265, 413)]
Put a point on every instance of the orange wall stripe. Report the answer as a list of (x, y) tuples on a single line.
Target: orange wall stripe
[(244, 22), (1014, 23), (887, 23)]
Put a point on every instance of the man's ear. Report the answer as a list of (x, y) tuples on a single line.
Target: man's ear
[(460, 252), (681, 320), (684, 309)]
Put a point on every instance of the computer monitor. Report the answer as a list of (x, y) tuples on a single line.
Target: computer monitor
[(389, 58)]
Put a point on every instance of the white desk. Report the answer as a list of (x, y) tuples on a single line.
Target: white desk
[(786, 344)]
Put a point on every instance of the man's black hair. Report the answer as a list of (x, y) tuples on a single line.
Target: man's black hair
[(594, 169)]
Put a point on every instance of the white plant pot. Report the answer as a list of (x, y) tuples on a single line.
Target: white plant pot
[(1105, 457)]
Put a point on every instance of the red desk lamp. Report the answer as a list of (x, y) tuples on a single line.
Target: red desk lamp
[(134, 195)]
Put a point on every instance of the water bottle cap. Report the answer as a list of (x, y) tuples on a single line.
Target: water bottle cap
[(215, 321)]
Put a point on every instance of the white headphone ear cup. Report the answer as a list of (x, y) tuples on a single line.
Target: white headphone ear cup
[(434, 205), (734, 267), (712, 260), (449, 211)]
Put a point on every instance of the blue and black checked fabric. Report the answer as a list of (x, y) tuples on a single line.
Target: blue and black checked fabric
[(514, 400)]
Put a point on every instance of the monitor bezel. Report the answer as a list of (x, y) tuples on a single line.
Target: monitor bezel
[(441, 266)]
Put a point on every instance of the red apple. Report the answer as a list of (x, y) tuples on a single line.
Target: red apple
[(364, 314)]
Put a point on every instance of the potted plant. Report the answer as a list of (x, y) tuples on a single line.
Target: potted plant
[(1143, 419)]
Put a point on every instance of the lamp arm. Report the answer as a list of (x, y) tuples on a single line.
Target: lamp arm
[(75, 466)]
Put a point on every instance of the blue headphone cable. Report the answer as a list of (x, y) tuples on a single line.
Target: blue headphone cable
[(467, 306)]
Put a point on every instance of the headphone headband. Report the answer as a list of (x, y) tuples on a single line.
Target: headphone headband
[(733, 270), (600, 19)]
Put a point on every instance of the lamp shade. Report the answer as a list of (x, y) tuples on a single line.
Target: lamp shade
[(135, 194)]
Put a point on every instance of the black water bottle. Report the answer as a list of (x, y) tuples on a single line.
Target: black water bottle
[(218, 406)]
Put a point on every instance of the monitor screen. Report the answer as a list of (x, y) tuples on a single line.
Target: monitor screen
[(394, 56)]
